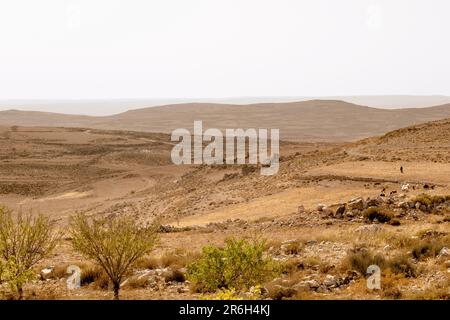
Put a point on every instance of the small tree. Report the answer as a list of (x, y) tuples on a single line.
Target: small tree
[(24, 241), (115, 244)]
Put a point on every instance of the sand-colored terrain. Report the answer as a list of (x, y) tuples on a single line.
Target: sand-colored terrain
[(306, 121), (61, 171)]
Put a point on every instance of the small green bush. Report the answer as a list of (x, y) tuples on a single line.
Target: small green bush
[(239, 265), (373, 213), (224, 294)]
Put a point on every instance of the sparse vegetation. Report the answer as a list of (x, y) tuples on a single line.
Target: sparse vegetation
[(223, 294), (239, 265), (24, 241), (359, 259), (278, 292), (402, 265), (428, 200), (94, 274), (427, 249), (377, 213), (138, 282), (110, 172), (114, 244), (175, 276)]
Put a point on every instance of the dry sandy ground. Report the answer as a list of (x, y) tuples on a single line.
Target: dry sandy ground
[(60, 171)]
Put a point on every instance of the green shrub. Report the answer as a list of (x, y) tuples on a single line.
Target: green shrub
[(25, 240), (224, 294), (113, 244), (373, 213), (12, 273), (239, 265)]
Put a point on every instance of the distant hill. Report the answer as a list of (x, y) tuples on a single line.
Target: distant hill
[(314, 120), (428, 141)]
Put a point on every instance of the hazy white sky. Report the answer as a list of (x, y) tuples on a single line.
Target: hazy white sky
[(87, 49)]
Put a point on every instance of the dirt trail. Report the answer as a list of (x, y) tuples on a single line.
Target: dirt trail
[(422, 172)]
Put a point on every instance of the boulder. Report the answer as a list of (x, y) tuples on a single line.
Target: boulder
[(445, 252), (301, 209), (403, 205), (356, 203), (321, 207), (349, 214), (301, 287), (322, 289), (340, 211), (46, 273), (312, 284), (330, 281)]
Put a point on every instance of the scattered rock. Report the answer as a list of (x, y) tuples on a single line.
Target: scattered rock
[(330, 281), (340, 211), (312, 284), (46, 273), (372, 228), (349, 214), (301, 287), (445, 252), (405, 187), (356, 203), (403, 205), (322, 289)]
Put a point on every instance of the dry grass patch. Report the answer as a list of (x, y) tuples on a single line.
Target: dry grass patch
[(138, 282), (360, 258)]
